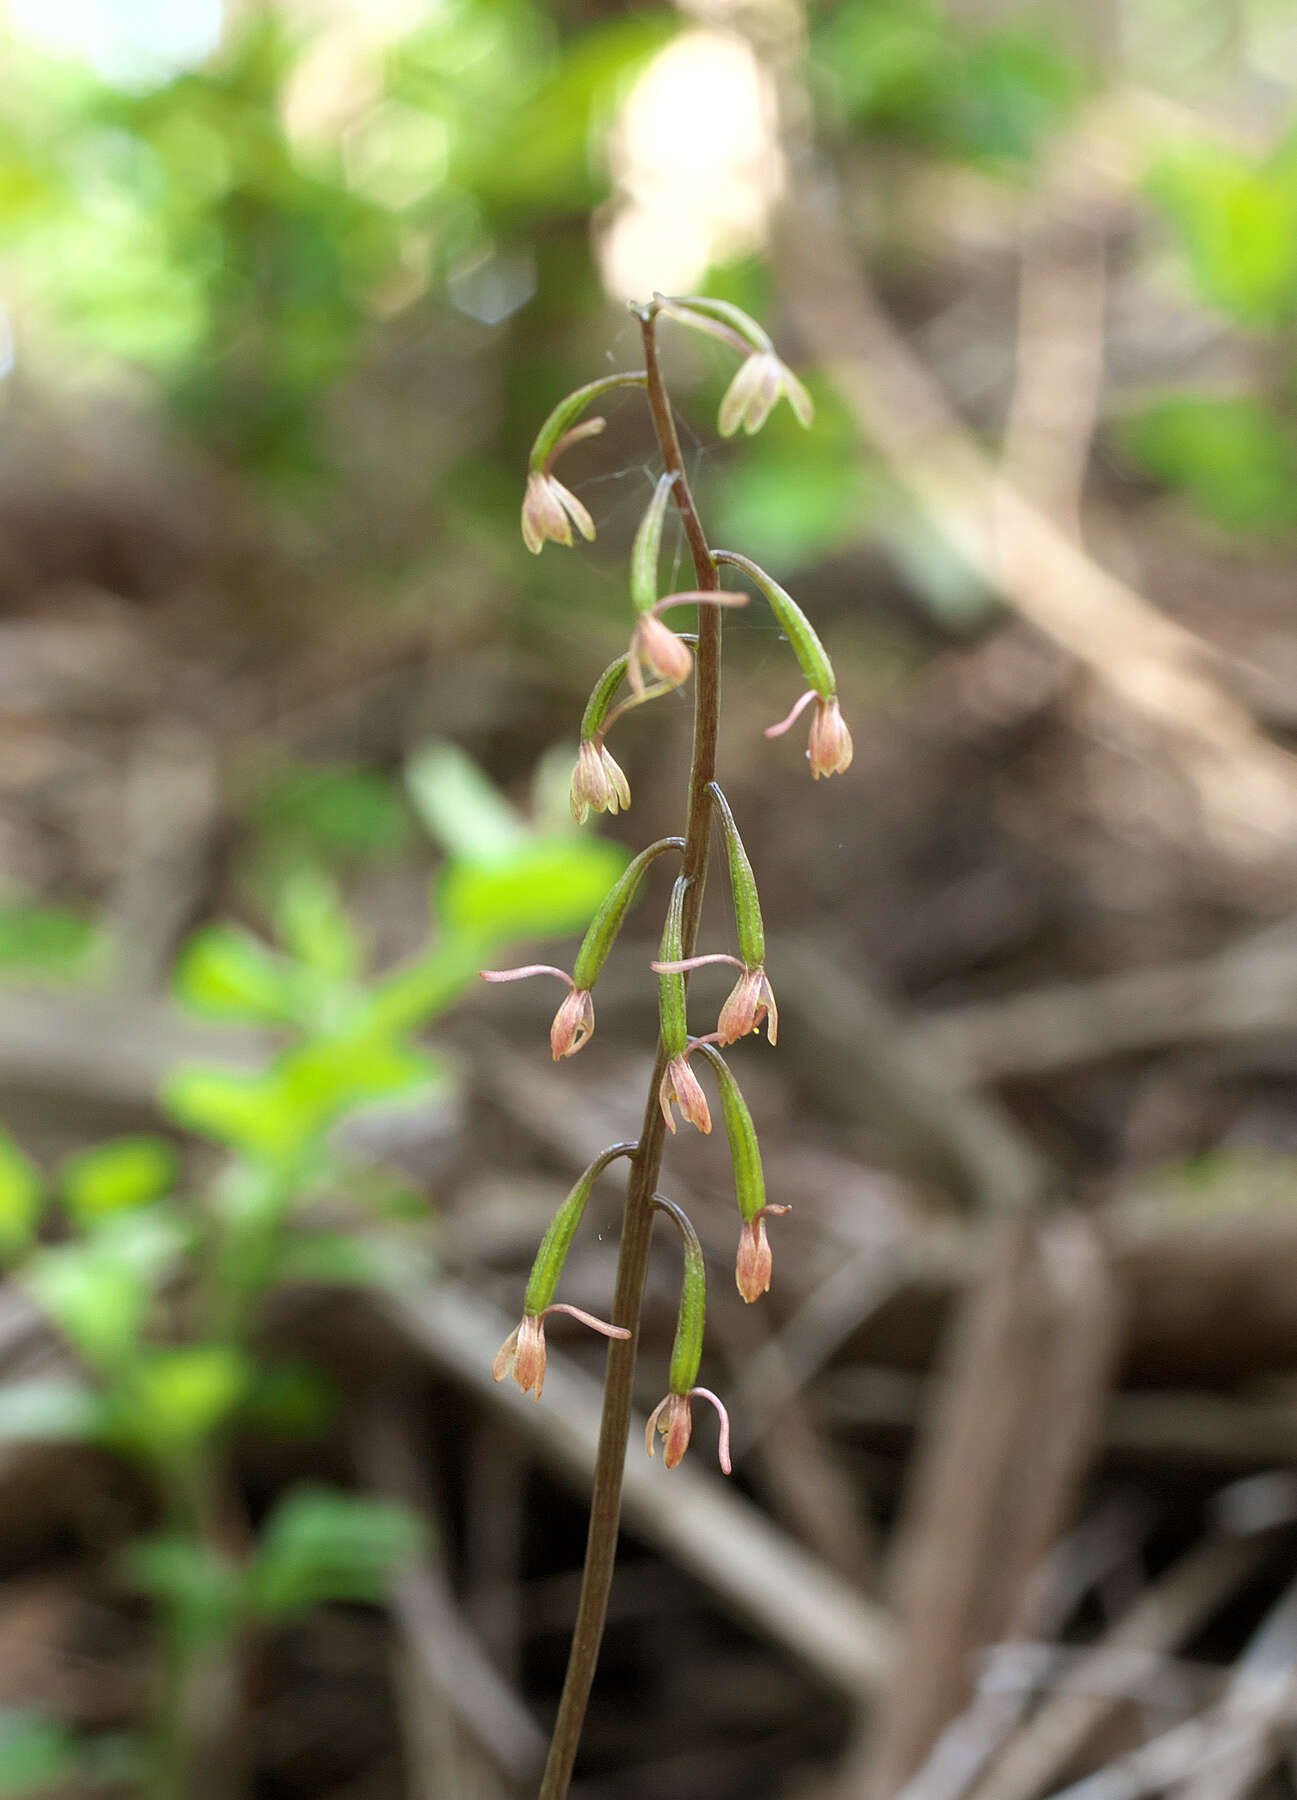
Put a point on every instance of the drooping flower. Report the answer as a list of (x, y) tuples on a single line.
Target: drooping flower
[(549, 511), (672, 1422), (830, 748), (749, 1002), (523, 1354), (754, 392), (654, 643), (681, 1086), (598, 783), (754, 1263), (573, 1025)]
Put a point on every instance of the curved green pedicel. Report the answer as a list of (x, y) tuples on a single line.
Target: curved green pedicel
[(743, 886), (568, 411), (607, 922), (807, 648), (745, 1152), (687, 1351), (557, 1240), (671, 988), (720, 310), (601, 698), (646, 550)]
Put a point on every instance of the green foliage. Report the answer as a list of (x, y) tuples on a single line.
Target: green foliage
[(36, 1754), (1234, 459), (116, 1177), (46, 943), (202, 1592), (1237, 224), (907, 71), (326, 815), (21, 1197), (319, 1545), (224, 972), (173, 1401), (99, 1290)]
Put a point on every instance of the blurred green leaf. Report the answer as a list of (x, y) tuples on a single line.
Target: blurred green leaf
[(302, 1093), (314, 926), (224, 972), (332, 812), (231, 1106), (320, 1545), (21, 1197), (1233, 459), (289, 1400), (549, 887), (903, 69), (202, 1593), (460, 807), (1238, 226), (349, 1259), (114, 1177), (99, 1292), (174, 1399), (35, 1753), (46, 942), (48, 1410)]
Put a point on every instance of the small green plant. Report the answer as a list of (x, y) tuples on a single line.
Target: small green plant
[(658, 660), (159, 1291)]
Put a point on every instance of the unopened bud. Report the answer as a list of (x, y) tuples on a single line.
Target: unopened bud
[(830, 748), (754, 1263), (573, 1023)]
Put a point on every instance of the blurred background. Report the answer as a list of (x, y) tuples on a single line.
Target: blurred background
[(287, 719)]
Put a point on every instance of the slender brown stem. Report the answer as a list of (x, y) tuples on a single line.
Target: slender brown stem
[(637, 1225)]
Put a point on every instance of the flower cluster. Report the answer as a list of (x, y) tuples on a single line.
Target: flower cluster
[(657, 661)]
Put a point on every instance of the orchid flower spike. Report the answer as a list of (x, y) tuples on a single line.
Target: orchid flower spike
[(830, 748), (671, 1420), (573, 1025), (523, 1354)]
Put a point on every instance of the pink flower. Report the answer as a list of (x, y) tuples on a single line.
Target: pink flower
[(754, 1264), (654, 643), (671, 1420), (750, 1000), (830, 749), (549, 510), (523, 1354), (598, 783), (755, 391), (681, 1086), (573, 1025)]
